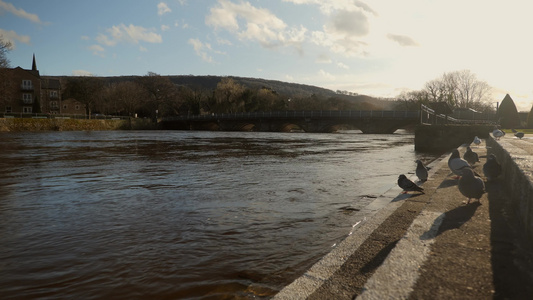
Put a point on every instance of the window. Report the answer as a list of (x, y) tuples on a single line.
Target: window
[(8, 109), (53, 104), (77, 107), (53, 94), (65, 106), (27, 98), (27, 85), (26, 109)]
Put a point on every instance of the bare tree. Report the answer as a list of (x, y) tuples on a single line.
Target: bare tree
[(163, 95), (228, 96), (458, 89), (5, 47), (123, 98), (6, 85), (85, 89), (195, 99), (470, 90), (411, 100)]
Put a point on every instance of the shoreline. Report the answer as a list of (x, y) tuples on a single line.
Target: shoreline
[(34, 124)]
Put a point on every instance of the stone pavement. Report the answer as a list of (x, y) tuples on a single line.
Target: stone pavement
[(432, 245)]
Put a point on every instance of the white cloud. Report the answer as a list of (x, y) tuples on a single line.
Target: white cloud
[(251, 23), (201, 49), (323, 59), (162, 8), (129, 34), (19, 12), (81, 73), (402, 40), (347, 26), (164, 27), (97, 50), (12, 37), (330, 6), (221, 41), (325, 75), (143, 49), (343, 66)]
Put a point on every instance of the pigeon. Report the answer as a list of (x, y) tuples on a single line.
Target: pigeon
[(477, 141), (518, 134), (421, 171), (470, 156), (497, 133), (407, 185), (471, 186), (457, 164), (492, 168)]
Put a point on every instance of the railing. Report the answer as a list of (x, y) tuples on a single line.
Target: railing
[(429, 116), (382, 114), (60, 116)]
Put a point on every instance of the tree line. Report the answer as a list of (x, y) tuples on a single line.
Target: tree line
[(154, 95)]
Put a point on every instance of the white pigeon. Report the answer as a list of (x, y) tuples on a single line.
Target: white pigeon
[(477, 141), (497, 133), (421, 171), (457, 164)]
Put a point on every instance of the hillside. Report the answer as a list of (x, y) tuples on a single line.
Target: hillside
[(283, 88)]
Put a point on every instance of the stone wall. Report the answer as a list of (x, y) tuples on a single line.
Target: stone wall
[(517, 175), (29, 124)]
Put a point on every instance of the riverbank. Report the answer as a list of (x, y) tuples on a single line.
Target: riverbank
[(432, 245), (31, 124)]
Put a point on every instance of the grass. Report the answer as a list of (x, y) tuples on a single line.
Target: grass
[(524, 130)]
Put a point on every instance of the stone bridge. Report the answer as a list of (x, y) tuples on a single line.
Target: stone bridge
[(374, 121)]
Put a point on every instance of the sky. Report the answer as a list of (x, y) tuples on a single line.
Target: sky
[(378, 48)]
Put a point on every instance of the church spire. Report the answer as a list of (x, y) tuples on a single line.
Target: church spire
[(34, 64)]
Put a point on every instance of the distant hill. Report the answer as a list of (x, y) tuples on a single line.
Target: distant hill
[(283, 88)]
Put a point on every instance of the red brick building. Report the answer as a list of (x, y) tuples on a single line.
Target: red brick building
[(24, 91)]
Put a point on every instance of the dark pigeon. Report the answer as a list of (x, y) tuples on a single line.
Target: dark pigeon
[(471, 186), (407, 185), (518, 134), (421, 171), (470, 156), (492, 168)]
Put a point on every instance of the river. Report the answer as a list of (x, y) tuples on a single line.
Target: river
[(181, 214)]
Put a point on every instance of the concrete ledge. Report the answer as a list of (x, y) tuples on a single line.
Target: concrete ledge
[(376, 213), (516, 158)]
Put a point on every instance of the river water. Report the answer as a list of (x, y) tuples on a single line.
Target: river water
[(181, 214)]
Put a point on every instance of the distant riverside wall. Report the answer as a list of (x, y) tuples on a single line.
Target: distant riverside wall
[(29, 124)]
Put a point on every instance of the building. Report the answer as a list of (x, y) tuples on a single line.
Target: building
[(22, 90), (51, 96), (25, 91)]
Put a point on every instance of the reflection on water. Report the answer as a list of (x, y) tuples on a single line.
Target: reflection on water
[(181, 214)]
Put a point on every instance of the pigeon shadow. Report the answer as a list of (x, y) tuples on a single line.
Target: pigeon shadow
[(448, 183), (454, 218), (406, 196)]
